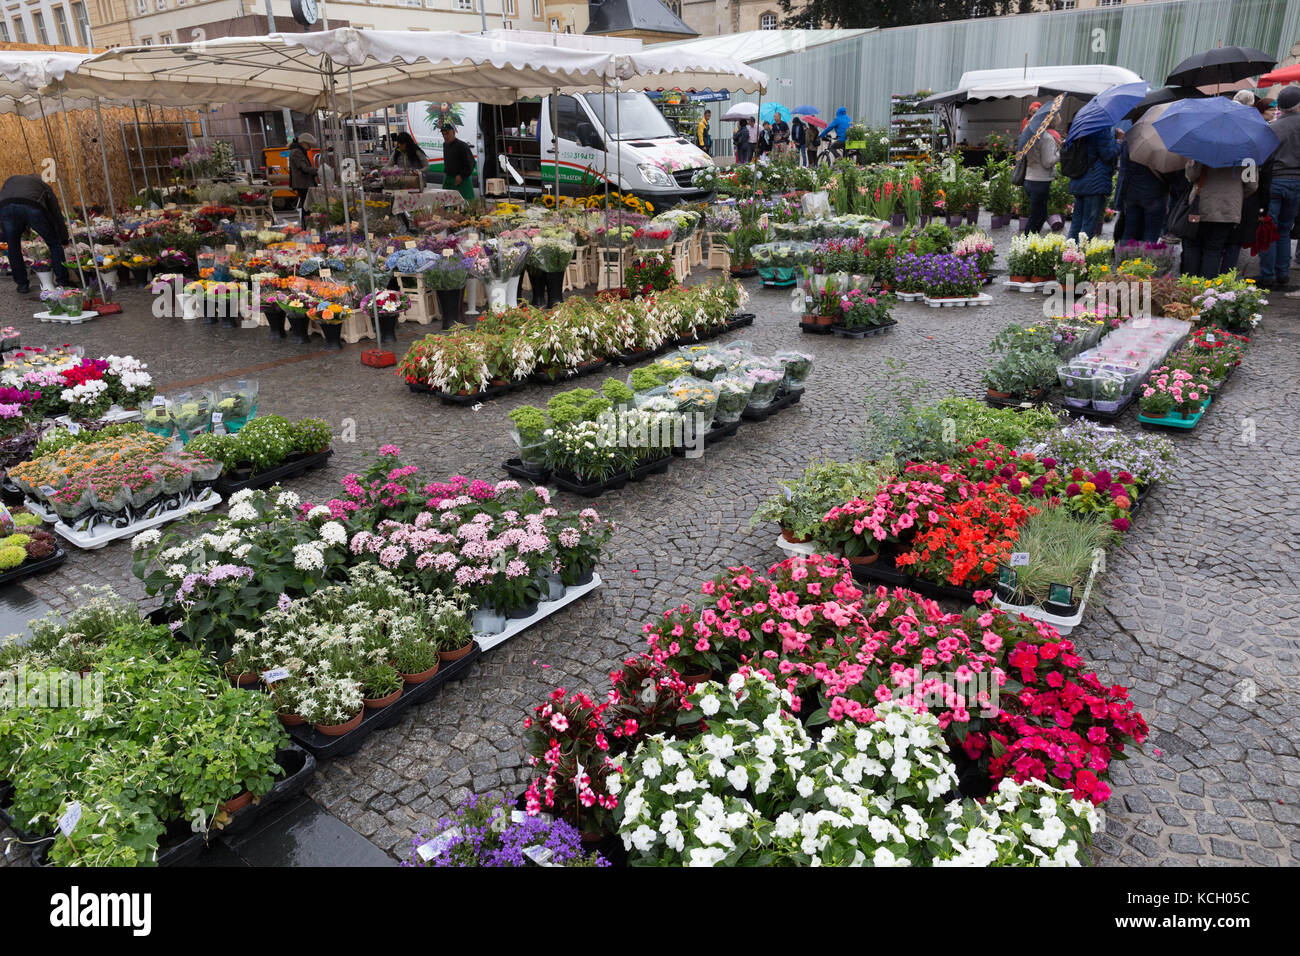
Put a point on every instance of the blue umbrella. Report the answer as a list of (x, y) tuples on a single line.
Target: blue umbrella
[(1216, 132), (1106, 109), (806, 111), (769, 111)]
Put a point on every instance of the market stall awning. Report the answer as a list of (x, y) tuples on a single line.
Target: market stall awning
[(1083, 81), (23, 73), (370, 69)]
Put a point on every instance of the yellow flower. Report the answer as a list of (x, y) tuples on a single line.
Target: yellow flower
[(1087, 487)]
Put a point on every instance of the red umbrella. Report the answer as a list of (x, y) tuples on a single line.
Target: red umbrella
[(814, 121), (1288, 74)]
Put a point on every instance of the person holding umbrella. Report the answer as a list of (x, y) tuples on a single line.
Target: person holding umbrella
[(1097, 155), (1254, 207), (1216, 206), (751, 134), (1040, 157), (1284, 193), (799, 137)]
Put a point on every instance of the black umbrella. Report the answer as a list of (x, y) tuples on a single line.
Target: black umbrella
[(1225, 64), (1166, 94)]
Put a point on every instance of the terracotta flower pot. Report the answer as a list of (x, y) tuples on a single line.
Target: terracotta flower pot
[(421, 677), (1018, 278), (379, 703), (446, 657), (690, 680), (243, 680), (785, 533), (1040, 279), (338, 730), (863, 559), (238, 803), (291, 720), (993, 394), (825, 319)]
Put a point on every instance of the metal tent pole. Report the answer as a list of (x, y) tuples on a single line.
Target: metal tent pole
[(618, 162), (58, 181), (343, 186), (604, 119), (139, 146), (81, 195), (103, 154), (365, 221), (555, 140)]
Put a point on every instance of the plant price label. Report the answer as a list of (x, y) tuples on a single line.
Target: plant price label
[(325, 273), (159, 402), (410, 244), (438, 845), (518, 816), (68, 822), (216, 418), (231, 247), (275, 674), (1019, 558), (540, 855), (1210, 339)]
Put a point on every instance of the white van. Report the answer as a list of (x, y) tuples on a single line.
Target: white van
[(622, 132)]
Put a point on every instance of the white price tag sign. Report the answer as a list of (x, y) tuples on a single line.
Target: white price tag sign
[(438, 845), (325, 273), (216, 418), (68, 822), (159, 402), (1210, 339), (518, 816), (275, 674), (1019, 558), (540, 855)]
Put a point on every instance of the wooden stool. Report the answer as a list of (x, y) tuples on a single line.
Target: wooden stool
[(495, 187), (608, 267), (719, 254), (357, 326), (681, 268), (696, 246), (424, 304)]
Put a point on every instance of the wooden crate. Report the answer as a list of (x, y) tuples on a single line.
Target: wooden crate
[(719, 254), (614, 258), (424, 304)]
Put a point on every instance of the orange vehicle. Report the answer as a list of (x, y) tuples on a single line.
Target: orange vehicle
[(277, 170)]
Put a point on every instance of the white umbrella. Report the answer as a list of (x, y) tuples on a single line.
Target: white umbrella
[(741, 112)]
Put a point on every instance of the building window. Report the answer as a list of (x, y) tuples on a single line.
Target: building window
[(39, 20), (61, 23), (555, 25), (20, 29), (147, 41), (4, 30), (164, 38), (767, 21), (142, 7), (508, 6), (537, 9), (464, 4), (1063, 4), (83, 24), (1109, 3), (162, 6)]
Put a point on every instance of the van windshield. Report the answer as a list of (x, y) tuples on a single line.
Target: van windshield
[(633, 113)]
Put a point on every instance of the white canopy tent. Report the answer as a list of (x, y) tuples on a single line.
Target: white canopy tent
[(310, 72)]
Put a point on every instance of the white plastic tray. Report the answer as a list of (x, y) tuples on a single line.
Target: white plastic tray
[(1063, 624), (910, 296), (85, 316), (791, 548), (982, 299), (544, 609), (1028, 286), (103, 536)]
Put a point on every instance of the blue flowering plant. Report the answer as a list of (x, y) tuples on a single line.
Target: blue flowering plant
[(483, 832)]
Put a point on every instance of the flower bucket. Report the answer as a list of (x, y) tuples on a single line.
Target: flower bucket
[(191, 306), (1056, 222), (46, 279)]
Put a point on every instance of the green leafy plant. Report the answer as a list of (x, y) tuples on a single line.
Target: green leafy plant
[(1061, 549), (801, 503)]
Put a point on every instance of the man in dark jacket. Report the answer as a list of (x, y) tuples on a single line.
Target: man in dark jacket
[(1284, 192), (457, 163), (1091, 190), (302, 172), (1142, 195), (799, 136), (27, 202)]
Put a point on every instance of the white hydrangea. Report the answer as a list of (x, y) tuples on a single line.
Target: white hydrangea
[(145, 539)]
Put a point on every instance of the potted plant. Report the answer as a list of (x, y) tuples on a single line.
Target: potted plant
[(330, 315), (381, 685), (447, 275), (550, 255), (801, 504), (416, 658), (1062, 549)]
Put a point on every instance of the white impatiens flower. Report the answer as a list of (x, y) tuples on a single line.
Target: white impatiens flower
[(885, 857), (651, 769), (786, 826), (738, 778), (709, 705), (643, 838), (806, 786), (706, 856)]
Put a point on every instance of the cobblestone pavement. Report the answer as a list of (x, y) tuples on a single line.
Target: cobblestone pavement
[(1197, 613)]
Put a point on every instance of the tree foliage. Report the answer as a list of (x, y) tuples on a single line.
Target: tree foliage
[(853, 14)]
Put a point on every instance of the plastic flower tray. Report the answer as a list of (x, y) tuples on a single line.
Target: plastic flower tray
[(103, 536), (910, 296), (864, 333), (1174, 420), (39, 566), (515, 468), (181, 846), (784, 400), (1063, 623), (544, 610), (289, 469), (812, 328), (656, 467), (973, 301), (322, 746), (1029, 286), (795, 548), (891, 576), (592, 489), (60, 319)]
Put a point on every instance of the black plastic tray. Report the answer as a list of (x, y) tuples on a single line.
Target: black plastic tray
[(656, 467), (321, 746), (299, 766), (891, 576), (473, 398), (864, 333), (740, 320), (719, 432), (271, 476), (591, 490), (39, 566), (814, 329), (515, 468), (779, 403), (11, 493)]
